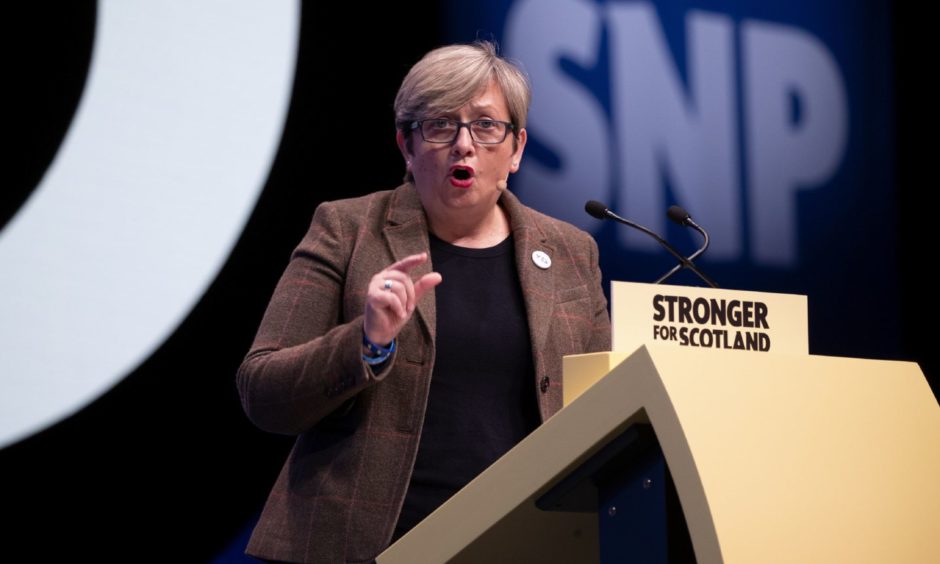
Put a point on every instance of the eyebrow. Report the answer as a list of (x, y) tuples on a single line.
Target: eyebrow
[(484, 109), (490, 112), (487, 107)]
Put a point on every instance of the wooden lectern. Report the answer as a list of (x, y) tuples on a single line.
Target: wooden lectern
[(775, 458)]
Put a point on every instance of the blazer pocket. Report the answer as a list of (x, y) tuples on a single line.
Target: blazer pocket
[(572, 294)]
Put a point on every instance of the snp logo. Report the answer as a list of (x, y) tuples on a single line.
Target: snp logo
[(660, 130)]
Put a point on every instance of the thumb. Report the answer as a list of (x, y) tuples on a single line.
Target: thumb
[(425, 283)]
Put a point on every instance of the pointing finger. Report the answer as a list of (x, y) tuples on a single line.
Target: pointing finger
[(409, 262), (425, 283)]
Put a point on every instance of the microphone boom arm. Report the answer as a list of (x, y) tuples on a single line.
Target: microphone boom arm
[(684, 262), (693, 256)]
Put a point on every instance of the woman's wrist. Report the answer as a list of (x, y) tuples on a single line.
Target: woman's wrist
[(373, 353)]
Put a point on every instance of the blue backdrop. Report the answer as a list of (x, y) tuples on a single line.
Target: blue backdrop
[(770, 122)]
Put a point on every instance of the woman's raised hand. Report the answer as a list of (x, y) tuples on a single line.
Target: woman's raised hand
[(393, 296)]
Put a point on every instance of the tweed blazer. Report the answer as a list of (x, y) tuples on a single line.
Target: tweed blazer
[(339, 494)]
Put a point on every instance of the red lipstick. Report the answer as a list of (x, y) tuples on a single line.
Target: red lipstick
[(461, 176)]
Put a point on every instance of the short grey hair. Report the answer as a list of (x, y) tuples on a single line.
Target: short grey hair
[(448, 77)]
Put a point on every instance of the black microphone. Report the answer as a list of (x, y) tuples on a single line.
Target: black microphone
[(678, 215), (600, 211), (596, 209)]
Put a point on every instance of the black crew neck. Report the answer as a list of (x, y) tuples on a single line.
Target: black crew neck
[(500, 248)]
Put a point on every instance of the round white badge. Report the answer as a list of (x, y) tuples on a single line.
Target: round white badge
[(541, 259)]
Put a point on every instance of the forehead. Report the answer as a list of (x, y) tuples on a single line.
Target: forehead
[(489, 100)]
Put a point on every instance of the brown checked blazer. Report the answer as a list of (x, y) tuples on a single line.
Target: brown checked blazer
[(339, 494)]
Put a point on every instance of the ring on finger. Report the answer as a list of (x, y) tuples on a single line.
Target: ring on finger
[(387, 285)]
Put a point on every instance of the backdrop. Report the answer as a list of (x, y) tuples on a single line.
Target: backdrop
[(167, 159)]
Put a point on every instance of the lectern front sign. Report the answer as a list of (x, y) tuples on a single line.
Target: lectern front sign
[(707, 318)]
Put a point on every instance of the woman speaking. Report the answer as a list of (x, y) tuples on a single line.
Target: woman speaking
[(417, 333)]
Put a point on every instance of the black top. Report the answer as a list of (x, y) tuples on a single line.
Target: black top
[(482, 400)]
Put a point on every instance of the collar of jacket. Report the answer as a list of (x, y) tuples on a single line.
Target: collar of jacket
[(406, 232)]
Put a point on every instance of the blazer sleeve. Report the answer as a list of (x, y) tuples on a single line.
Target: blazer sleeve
[(600, 328), (305, 361)]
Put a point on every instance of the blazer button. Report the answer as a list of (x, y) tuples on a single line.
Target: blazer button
[(543, 384)]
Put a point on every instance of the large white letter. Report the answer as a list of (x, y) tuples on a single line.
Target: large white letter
[(661, 130), (565, 117), (788, 150), (169, 149)]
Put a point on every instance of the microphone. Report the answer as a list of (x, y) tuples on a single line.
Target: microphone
[(600, 211), (678, 215), (596, 209)]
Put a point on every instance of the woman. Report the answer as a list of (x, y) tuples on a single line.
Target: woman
[(399, 395)]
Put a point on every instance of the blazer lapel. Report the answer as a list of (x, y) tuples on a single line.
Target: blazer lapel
[(406, 232), (538, 284)]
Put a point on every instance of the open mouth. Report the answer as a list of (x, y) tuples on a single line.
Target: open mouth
[(462, 174)]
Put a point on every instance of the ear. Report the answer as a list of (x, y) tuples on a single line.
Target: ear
[(520, 148), (403, 145)]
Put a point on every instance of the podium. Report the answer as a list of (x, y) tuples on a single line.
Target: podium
[(774, 458)]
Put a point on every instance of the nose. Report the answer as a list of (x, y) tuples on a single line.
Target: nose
[(463, 144)]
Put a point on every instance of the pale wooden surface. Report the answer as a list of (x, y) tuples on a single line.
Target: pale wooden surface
[(776, 458)]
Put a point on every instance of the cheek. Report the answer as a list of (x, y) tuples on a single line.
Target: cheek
[(421, 168), (426, 161), (500, 162)]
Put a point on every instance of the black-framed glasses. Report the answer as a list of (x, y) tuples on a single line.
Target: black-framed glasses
[(443, 130)]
